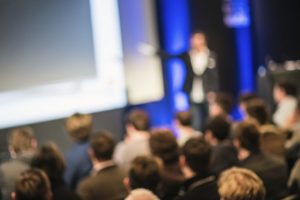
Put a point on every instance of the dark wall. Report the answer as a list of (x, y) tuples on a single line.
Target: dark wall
[(207, 15), (54, 130), (276, 29)]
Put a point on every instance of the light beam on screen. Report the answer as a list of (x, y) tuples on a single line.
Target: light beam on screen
[(106, 91)]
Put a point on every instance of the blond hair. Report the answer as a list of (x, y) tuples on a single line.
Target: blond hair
[(241, 184), (141, 194), (79, 126), (21, 139)]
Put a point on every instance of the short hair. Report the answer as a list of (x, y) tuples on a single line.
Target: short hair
[(32, 184), (50, 160), (139, 119), (163, 144), (145, 172), (197, 153), (21, 139), (240, 184), (244, 98), (220, 127), (257, 109), (103, 145), (288, 87), (247, 133), (141, 194), (224, 101), (184, 118), (79, 126)]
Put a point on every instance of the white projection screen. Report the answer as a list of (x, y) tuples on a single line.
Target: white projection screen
[(58, 57)]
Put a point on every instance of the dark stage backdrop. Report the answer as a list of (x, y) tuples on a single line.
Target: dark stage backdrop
[(207, 15)]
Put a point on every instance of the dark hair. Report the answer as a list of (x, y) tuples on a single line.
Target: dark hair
[(247, 134), (163, 144), (103, 145), (257, 109), (145, 173), (224, 101), (288, 87), (219, 126), (32, 184), (184, 118), (139, 119), (244, 98), (50, 160), (197, 153), (79, 126)]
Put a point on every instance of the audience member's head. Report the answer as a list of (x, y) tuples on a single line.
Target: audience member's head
[(244, 99), (137, 120), (79, 126), (195, 157), (257, 109), (50, 160), (32, 184), (217, 130), (247, 137), (163, 144), (141, 194), (241, 184), (184, 118), (22, 140), (284, 88), (222, 105), (102, 147), (144, 172)]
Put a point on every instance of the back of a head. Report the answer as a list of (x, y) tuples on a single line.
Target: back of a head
[(33, 184), (141, 194), (22, 139), (220, 127), (224, 101), (184, 118), (79, 126), (257, 109), (50, 160), (241, 184), (145, 172), (197, 153), (246, 97), (163, 144), (288, 87), (247, 133), (103, 145), (139, 119)]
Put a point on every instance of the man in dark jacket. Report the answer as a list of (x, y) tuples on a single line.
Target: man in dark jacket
[(195, 159)]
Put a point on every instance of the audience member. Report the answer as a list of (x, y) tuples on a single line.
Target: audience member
[(32, 184), (273, 171), (106, 180), (195, 159), (22, 146), (183, 122), (141, 194), (257, 110), (217, 133), (144, 172), (285, 95), (163, 145), (293, 125), (136, 141), (51, 161), (222, 105), (78, 164), (240, 184), (243, 100)]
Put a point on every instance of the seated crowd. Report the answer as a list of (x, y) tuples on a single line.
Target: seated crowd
[(253, 159)]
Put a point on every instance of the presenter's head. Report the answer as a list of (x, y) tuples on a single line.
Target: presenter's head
[(198, 41)]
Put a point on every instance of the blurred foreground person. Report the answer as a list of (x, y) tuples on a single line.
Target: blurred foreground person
[(22, 146), (141, 194), (240, 184), (33, 184)]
